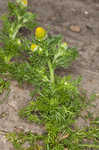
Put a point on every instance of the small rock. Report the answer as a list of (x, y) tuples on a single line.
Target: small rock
[(97, 7), (86, 13), (89, 26), (75, 28)]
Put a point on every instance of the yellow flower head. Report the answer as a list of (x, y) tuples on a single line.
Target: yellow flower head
[(24, 2), (64, 45), (40, 33), (34, 47)]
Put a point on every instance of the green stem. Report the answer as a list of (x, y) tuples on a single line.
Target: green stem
[(16, 31), (51, 72), (89, 145)]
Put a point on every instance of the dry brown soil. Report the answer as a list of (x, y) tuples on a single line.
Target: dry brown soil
[(60, 15)]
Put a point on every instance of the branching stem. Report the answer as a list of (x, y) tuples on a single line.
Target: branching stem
[(51, 72)]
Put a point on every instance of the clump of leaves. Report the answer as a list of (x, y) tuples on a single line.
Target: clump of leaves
[(56, 108), (19, 140), (10, 37), (59, 103), (26, 60), (3, 85), (49, 55), (57, 111)]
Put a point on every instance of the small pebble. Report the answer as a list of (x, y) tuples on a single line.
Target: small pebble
[(75, 28), (86, 13)]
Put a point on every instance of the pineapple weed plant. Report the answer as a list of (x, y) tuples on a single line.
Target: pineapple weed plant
[(57, 101)]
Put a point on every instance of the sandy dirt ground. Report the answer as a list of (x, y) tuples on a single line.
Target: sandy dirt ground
[(78, 22)]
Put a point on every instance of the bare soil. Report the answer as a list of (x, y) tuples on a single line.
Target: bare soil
[(60, 15)]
